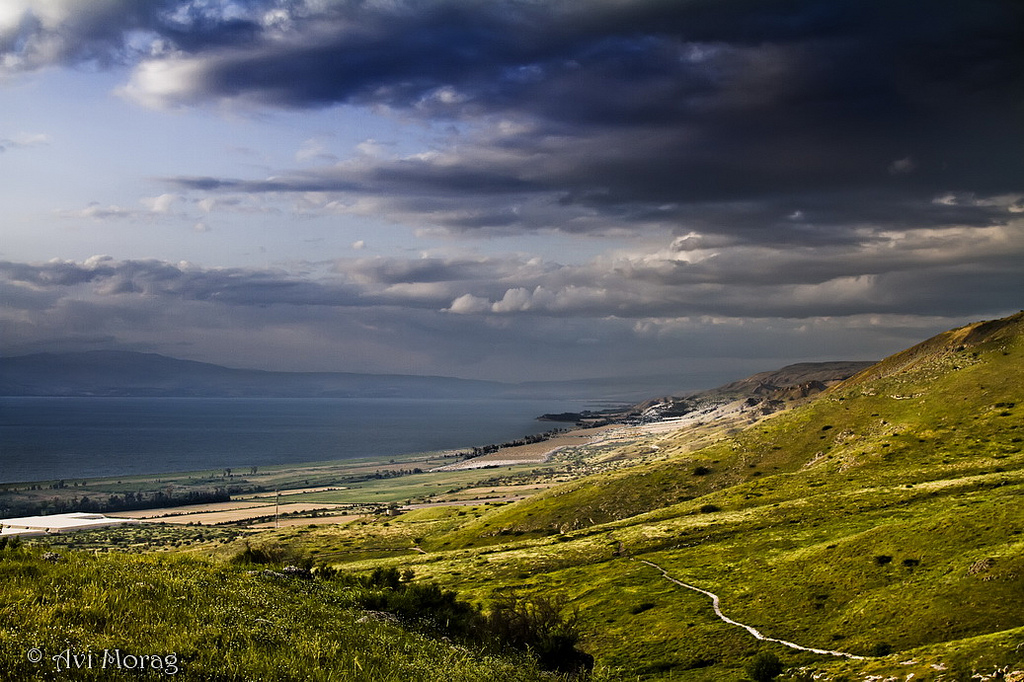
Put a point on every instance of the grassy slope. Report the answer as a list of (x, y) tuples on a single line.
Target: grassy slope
[(884, 515), (220, 622), (932, 393)]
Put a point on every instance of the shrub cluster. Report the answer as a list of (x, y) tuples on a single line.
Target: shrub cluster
[(425, 604), (12, 541), (535, 624), (272, 553), (764, 667)]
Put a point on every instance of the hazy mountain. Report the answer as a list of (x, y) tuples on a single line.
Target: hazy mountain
[(125, 373), (121, 373), (766, 391), (804, 374)]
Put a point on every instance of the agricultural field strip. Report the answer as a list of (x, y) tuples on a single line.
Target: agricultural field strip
[(230, 515), (195, 509), (756, 633), (293, 491), (533, 452), (493, 489)]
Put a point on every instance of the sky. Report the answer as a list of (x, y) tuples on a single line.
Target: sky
[(691, 190)]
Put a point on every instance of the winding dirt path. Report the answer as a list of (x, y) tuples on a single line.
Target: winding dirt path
[(754, 631)]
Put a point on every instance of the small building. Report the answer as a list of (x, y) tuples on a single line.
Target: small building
[(29, 526)]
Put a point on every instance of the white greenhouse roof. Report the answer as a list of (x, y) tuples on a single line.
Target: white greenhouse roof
[(59, 523)]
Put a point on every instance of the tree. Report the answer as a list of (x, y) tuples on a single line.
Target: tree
[(764, 667)]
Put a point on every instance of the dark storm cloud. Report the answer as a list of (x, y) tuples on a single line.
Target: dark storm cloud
[(158, 279), (725, 117), (687, 101), (406, 176), (622, 106), (777, 162), (480, 189)]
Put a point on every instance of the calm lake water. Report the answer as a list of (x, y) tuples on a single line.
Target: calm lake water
[(51, 438)]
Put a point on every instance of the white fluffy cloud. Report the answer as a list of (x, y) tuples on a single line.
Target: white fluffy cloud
[(468, 304)]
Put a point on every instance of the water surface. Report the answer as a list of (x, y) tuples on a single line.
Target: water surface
[(52, 438)]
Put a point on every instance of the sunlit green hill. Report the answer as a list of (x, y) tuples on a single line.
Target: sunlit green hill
[(943, 408), (883, 519)]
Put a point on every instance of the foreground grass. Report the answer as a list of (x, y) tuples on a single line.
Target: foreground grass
[(210, 622)]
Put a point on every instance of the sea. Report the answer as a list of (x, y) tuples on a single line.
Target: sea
[(45, 438)]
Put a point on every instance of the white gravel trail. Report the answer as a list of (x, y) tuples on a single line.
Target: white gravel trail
[(754, 631)]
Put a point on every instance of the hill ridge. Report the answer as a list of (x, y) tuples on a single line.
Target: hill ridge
[(960, 338), (880, 518)]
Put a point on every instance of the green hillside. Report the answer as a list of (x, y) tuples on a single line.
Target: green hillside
[(882, 519), (945, 399)]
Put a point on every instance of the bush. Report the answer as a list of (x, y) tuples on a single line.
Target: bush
[(384, 577), (428, 605), (14, 542), (256, 555), (272, 553), (881, 649), (536, 624), (764, 667)]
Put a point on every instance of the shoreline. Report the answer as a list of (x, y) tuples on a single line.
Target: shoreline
[(532, 453), (312, 487), (116, 438)]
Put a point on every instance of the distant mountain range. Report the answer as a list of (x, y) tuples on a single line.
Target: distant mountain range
[(131, 374), (123, 373)]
